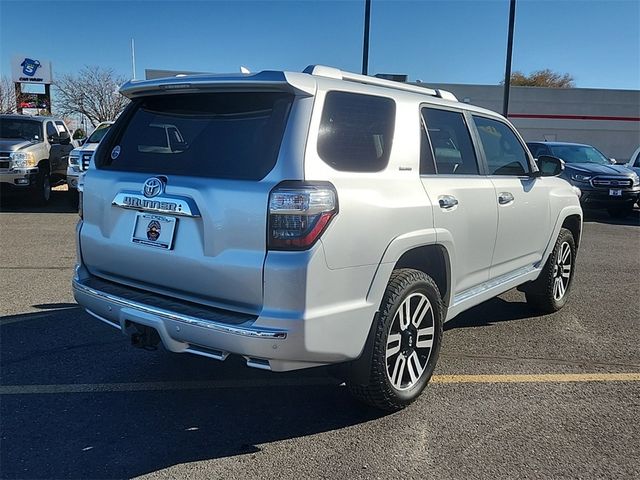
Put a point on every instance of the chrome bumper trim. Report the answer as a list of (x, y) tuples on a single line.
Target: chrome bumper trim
[(165, 204), (271, 334)]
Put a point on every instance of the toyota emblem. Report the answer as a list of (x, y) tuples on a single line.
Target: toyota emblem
[(153, 187)]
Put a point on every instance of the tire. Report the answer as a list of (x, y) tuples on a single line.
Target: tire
[(74, 197), (622, 211), (550, 291), (42, 191), (404, 353)]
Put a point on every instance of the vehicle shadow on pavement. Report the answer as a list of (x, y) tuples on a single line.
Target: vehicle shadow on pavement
[(490, 312), (61, 202), (601, 216), (112, 433)]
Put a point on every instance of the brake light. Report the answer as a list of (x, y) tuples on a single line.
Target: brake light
[(299, 213)]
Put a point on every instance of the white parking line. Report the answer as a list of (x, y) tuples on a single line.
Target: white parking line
[(297, 382), (22, 317), (157, 386)]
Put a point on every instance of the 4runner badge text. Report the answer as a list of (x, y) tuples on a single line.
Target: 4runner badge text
[(156, 205)]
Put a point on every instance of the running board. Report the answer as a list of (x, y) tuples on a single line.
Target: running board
[(485, 291)]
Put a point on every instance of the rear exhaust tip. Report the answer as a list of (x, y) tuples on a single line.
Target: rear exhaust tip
[(207, 352), (260, 363)]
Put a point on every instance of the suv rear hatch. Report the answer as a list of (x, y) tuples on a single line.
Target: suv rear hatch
[(178, 201)]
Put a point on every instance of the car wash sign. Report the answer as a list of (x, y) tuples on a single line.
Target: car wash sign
[(30, 70)]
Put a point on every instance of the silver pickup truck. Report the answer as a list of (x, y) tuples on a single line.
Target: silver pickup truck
[(316, 218), (34, 153)]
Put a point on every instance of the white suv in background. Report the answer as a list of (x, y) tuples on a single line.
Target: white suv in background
[(80, 157), (316, 218)]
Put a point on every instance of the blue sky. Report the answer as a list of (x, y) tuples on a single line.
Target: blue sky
[(597, 41)]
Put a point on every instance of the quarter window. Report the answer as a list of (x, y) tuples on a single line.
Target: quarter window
[(356, 131), (451, 142), (503, 151)]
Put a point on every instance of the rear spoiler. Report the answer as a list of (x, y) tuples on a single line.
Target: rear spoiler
[(268, 80)]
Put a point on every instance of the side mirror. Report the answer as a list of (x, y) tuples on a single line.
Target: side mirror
[(54, 139), (81, 141), (550, 166), (613, 161)]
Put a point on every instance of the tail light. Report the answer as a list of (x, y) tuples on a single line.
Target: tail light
[(298, 214)]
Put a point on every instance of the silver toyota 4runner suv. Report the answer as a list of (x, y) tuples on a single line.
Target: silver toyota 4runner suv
[(316, 218)]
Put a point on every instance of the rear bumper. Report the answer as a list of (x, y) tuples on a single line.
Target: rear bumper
[(211, 332)]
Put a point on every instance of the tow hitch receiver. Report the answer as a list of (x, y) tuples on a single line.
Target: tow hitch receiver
[(143, 336)]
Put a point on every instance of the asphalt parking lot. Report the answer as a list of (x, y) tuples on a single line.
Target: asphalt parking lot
[(514, 395)]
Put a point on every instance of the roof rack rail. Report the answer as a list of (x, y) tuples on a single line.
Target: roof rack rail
[(331, 72)]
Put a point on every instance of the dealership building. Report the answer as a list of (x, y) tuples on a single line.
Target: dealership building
[(607, 119)]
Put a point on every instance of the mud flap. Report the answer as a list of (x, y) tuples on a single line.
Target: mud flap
[(358, 371)]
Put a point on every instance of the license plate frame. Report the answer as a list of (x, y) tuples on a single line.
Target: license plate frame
[(615, 192), (153, 230)]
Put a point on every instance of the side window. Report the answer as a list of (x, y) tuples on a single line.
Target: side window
[(637, 162), (356, 131), (504, 153), (451, 142), (51, 130)]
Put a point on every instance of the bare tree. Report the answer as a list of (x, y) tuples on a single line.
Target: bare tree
[(542, 78), (93, 92), (7, 95)]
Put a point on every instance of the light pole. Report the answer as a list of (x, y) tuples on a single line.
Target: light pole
[(507, 70), (365, 46)]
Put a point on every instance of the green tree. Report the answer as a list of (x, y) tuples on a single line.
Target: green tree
[(79, 133), (542, 78)]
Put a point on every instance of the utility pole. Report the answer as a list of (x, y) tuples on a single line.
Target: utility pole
[(365, 46), (507, 70), (133, 59)]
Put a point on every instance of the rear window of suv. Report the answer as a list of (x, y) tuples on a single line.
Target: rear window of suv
[(232, 135), (356, 131)]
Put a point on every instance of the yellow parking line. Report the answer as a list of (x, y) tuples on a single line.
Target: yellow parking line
[(303, 381), (539, 378)]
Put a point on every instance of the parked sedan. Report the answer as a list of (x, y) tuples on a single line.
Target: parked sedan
[(602, 183)]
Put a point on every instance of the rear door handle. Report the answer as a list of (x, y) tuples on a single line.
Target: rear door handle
[(447, 201), (505, 197)]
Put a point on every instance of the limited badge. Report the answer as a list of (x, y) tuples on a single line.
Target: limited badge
[(115, 152), (153, 230)]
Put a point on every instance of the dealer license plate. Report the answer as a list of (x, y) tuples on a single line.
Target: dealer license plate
[(615, 193), (154, 230)]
